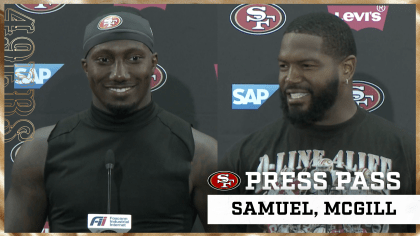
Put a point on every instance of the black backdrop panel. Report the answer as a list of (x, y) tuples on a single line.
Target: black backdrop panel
[(193, 40), (185, 40), (385, 58)]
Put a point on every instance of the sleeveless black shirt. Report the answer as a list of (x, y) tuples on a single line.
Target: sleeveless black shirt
[(153, 153)]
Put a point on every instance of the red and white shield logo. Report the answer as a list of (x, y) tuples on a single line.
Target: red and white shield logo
[(40, 8), (110, 22), (258, 19), (368, 95), (224, 180), (158, 78)]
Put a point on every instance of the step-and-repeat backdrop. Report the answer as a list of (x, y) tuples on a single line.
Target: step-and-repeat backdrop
[(206, 53), (249, 44), (46, 40)]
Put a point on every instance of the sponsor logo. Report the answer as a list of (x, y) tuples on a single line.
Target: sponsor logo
[(99, 220), (33, 76), (257, 19), (368, 95), (40, 8), (361, 17), (158, 78), (46, 228), (110, 22), (251, 96), (224, 180), (143, 6), (15, 151)]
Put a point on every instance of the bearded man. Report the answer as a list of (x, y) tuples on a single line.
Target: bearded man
[(323, 130)]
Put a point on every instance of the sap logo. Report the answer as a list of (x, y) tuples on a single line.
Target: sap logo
[(361, 17), (99, 219), (257, 19), (33, 76), (367, 95), (251, 96)]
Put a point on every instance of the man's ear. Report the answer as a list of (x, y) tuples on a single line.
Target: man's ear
[(348, 67), (154, 61), (84, 65)]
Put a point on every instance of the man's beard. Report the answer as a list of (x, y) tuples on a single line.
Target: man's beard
[(317, 108), (121, 110)]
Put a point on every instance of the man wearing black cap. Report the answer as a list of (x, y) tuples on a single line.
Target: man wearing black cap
[(161, 163)]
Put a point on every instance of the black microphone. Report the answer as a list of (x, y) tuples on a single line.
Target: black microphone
[(101, 223), (110, 162)]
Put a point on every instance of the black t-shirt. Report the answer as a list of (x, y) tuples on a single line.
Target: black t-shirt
[(365, 143), (153, 153)]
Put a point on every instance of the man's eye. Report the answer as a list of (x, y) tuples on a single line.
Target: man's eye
[(103, 59), (135, 58), (283, 66), (308, 66)]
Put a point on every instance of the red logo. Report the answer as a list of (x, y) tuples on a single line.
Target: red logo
[(158, 78), (224, 180), (361, 17), (110, 22), (368, 95), (40, 8), (143, 6), (257, 19), (15, 151)]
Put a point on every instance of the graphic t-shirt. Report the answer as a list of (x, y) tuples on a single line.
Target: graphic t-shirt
[(365, 143)]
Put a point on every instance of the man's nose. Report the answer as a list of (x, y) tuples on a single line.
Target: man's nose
[(294, 75), (119, 71)]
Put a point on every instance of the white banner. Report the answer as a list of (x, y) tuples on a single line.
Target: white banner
[(313, 209)]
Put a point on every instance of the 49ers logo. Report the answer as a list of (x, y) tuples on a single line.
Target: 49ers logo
[(40, 8), (367, 95), (257, 19), (110, 22), (224, 180), (158, 78)]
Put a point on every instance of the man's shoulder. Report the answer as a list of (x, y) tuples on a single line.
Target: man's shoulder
[(268, 132), (171, 120), (205, 145), (382, 127), (260, 140), (33, 153), (178, 127), (67, 124)]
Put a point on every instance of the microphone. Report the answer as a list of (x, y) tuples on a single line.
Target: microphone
[(107, 223), (110, 162)]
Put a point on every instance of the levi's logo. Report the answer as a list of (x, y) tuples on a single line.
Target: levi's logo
[(361, 17)]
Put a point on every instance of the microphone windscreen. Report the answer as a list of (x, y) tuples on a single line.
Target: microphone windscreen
[(109, 157)]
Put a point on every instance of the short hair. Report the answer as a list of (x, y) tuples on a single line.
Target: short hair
[(337, 37)]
